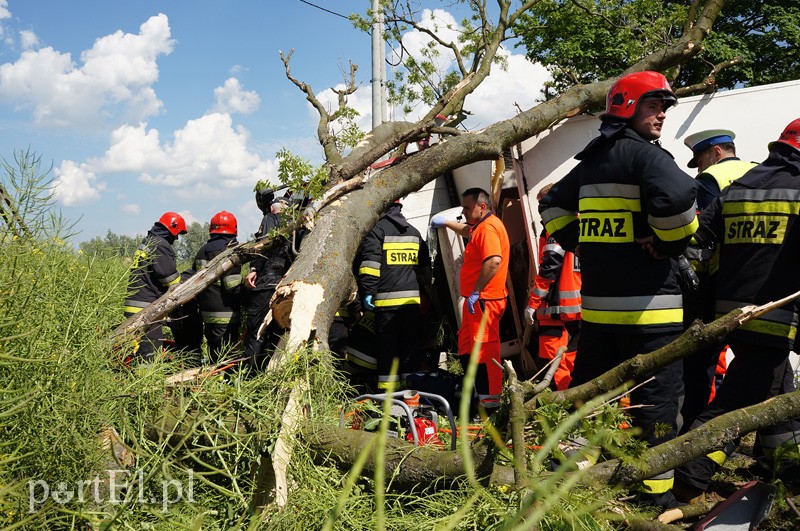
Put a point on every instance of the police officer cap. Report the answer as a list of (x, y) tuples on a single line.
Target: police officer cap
[(702, 140)]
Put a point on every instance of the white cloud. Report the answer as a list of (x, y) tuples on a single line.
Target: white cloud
[(114, 82), (4, 12), (28, 40), (494, 99), (231, 98), (76, 184), (132, 209), (208, 156)]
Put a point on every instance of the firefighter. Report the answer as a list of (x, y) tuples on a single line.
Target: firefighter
[(219, 303), (483, 286), (262, 279), (755, 221), (393, 277), (628, 211), (555, 301), (153, 272), (714, 156)]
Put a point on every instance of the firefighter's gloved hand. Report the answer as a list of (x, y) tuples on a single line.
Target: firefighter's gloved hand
[(530, 315), (689, 278), (368, 305), (471, 300), (437, 221)]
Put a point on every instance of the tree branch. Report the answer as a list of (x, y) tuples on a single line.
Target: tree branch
[(709, 84), (326, 139)]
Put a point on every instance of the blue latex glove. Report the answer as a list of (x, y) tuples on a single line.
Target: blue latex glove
[(368, 303), (471, 300), (437, 221)]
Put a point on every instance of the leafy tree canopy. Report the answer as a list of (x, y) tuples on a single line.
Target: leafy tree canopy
[(581, 41)]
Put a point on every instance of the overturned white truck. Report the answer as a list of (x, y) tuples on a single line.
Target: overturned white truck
[(757, 115)]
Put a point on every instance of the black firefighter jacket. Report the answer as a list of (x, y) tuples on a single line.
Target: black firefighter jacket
[(756, 222), (623, 189), (392, 263), (273, 263), (153, 269), (220, 302)]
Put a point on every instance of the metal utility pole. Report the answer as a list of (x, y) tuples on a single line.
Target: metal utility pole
[(378, 67)]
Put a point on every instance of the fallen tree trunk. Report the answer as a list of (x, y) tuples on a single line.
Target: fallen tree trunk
[(713, 435), (410, 467), (413, 467)]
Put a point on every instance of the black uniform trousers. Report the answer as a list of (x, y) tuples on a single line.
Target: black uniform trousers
[(257, 351), (220, 337), (151, 341), (755, 374), (398, 334), (187, 331), (600, 351), (699, 368)]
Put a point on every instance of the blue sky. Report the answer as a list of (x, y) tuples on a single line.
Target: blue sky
[(145, 106)]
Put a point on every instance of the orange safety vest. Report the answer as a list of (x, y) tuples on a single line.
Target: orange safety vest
[(557, 300)]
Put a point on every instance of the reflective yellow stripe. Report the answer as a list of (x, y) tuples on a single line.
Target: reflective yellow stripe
[(397, 302), (679, 233), (657, 486), (132, 309), (719, 457), (765, 207), (636, 317), (359, 358), (232, 281), (400, 245), (559, 223), (771, 328), (369, 271), (609, 203), (176, 280)]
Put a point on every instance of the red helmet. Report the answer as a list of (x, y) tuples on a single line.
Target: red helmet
[(790, 136), (624, 97), (174, 223), (223, 223)]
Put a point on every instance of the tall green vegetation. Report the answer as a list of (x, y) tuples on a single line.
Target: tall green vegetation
[(56, 309), (86, 442)]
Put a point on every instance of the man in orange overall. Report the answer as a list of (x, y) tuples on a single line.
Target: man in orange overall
[(483, 287)]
